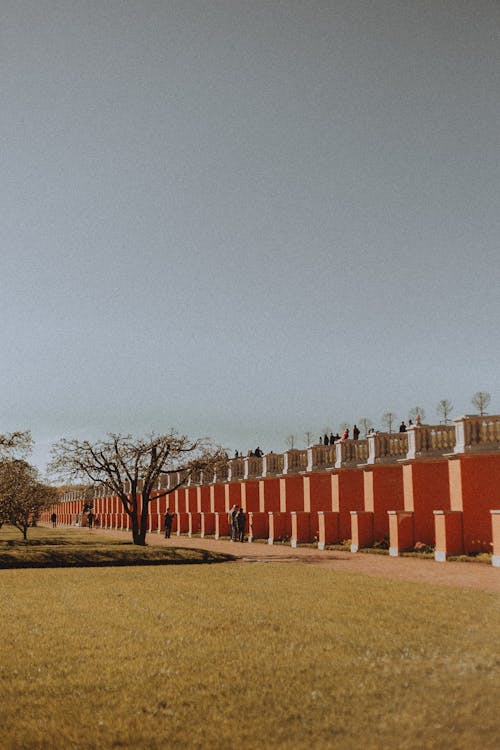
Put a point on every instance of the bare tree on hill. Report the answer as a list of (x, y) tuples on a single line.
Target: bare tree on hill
[(132, 468)]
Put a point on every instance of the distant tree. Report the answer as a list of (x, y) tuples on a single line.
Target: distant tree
[(132, 468), (444, 409), (308, 438), (388, 420), (290, 441), (417, 411), (480, 401), (15, 444), (22, 494), (365, 425)]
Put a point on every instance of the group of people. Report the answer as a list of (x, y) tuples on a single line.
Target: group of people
[(332, 439), (418, 422), (237, 523)]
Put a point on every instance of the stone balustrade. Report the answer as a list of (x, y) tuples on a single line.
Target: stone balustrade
[(236, 469), (320, 457), (272, 464), (294, 461), (253, 467), (387, 447), (351, 453), (430, 440), (221, 472), (173, 479), (470, 433), (476, 433), (207, 475), (196, 477)]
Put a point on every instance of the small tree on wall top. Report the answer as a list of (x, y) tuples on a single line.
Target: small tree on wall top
[(388, 420), (417, 414), (366, 425), (444, 409), (480, 401), (132, 467)]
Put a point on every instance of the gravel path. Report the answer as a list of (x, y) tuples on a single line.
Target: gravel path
[(460, 574)]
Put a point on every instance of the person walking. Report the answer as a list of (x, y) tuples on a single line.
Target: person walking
[(241, 525), (90, 519), (168, 518), (53, 518)]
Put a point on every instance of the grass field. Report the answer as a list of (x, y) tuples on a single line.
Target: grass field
[(244, 655)]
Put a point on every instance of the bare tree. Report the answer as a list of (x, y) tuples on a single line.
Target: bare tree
[(388, 420), (366, 425), (444, 409), (308, 438), (480, 401), (132, 467), (22, 494), (16, 444), (416, 414), (290, 440)]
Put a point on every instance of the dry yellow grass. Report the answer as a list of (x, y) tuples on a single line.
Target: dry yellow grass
[(245, 656)]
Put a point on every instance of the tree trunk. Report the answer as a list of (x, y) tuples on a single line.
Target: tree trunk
[(137, 536), (144, 517), (139, 539)]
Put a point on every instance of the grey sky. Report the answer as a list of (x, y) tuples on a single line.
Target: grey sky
[(246, 219)]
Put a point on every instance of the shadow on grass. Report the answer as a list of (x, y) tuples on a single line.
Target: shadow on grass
[(58, 551), (98, 559)]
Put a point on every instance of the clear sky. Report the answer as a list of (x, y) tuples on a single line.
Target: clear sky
[(246, 219)]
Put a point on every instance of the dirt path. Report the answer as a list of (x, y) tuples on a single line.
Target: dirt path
[(466, 575)]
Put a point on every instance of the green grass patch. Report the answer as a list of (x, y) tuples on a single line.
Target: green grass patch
[(55, 548), (247, 656)]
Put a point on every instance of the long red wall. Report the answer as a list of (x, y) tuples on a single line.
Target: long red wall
[(465, 484)]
